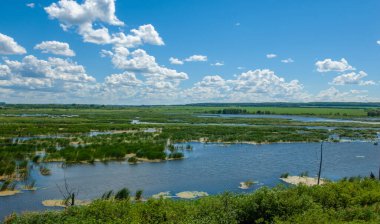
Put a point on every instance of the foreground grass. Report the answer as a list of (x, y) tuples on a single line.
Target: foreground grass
[(347, 201)]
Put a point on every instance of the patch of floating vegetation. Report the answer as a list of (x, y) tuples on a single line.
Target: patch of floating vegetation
[(245, 185)]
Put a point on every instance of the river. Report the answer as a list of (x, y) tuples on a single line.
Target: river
[(211, 168)]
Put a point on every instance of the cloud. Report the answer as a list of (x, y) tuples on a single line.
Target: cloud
[(124, 79), (352, 79), (55, 47), (9, 46), (356, 91), (329, 65), (367, 83), (89, 20), (270, 56), (211, 81), (237, 24), (253, 86), (140, 62), (193, 58), (378, 42), (218, 64), (147, 34), (104, 53), (175, 61), (31, 5), (335, 95), (70, 13), (286, 61), (196, 57), (33, 74)]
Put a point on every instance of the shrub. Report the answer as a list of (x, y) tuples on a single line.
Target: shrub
[(176, 155), (132, 159), (138, 195), (123, 194)]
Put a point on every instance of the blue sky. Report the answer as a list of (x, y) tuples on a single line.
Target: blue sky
[(85, 51)]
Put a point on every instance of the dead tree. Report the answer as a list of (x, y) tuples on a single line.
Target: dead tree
[(68, 194), (320, 164)]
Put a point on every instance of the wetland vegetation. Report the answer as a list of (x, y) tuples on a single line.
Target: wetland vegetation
[(355, 200), (36, 135), (88, 133)]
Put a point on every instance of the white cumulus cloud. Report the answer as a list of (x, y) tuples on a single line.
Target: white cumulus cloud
[(193, 58), (124, 79), (270, 56), (87, 17), (334, 95), (140, 62), (196, 57), (329, 65), (55, 47), (253, 86), (9, 46), (175, 61), (32, 73), (217, 64), (352, 78)]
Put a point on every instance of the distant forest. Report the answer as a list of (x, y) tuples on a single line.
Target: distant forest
[(284, 104), (373, 113)]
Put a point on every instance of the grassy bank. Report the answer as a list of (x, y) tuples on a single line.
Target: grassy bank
[(355, 200)]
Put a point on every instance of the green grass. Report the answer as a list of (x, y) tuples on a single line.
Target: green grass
[(178, 123), (347, 201), (316, 111)]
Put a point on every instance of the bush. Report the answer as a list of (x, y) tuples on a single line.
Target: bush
[(176, 155), (122, 194), (132, 159), (138, 195), (355, 201)]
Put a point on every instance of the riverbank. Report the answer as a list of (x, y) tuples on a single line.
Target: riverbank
[(211, 168), (345, 200)]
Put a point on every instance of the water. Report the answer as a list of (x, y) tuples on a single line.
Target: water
[(290, 117), (213, 168)]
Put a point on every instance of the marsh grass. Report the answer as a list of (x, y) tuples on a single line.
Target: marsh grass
[(284, 175), (346, 201), (45, 171)]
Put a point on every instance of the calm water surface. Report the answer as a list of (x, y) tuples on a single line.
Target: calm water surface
[(213, 168)]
